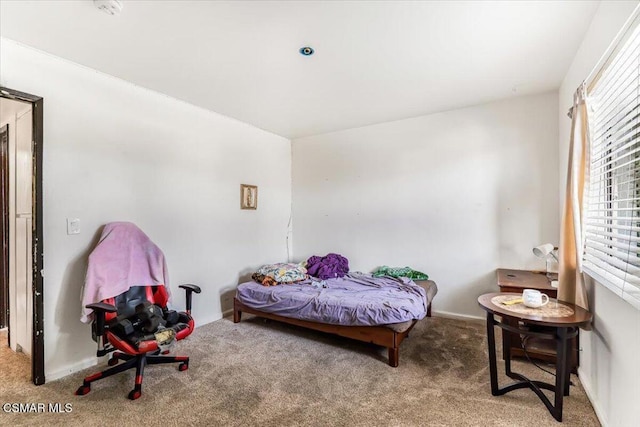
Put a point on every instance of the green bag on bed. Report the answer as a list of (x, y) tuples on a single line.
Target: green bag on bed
[(400, 272)]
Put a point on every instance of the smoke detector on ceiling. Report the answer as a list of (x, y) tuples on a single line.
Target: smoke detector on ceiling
[(306, 51), (112, 7)]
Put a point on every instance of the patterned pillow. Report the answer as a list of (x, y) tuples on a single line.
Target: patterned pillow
[(284, 272)]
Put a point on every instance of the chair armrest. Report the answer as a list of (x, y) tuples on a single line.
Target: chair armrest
[(99, 309), (193, 288), (190, 289), (102, 306)]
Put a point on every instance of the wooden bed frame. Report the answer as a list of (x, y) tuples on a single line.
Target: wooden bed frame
[(379, 335)]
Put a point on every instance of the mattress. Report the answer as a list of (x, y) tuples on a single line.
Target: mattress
[(354, 300)]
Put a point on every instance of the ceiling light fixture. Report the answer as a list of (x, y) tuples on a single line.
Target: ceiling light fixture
[(306, 51), (112, 7)]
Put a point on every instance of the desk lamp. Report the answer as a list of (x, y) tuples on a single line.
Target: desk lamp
[(549, 253)]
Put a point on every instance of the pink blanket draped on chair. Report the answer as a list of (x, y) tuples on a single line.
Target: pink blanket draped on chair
[(124, 257)]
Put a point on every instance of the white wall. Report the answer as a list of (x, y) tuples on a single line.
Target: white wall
[(114, 151), (609, 368), (455, 194)]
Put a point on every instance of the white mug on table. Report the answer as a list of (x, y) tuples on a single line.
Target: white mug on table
[(534, 299)]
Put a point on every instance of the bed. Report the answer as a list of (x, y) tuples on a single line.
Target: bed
[(328, 306)]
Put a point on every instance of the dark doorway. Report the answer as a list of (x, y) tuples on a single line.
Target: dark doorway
[(4, 226), (37, 347)]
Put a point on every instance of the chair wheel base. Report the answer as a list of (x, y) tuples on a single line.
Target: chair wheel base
[(183, 367), (135, 394), (82, 390), (113, 361)]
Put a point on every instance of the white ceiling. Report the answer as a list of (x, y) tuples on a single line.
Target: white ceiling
[(374, 62)]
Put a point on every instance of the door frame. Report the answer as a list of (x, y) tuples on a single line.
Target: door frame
[(37, 342), (4, 225)]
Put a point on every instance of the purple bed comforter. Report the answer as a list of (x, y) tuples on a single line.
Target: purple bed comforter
[(353, 300)]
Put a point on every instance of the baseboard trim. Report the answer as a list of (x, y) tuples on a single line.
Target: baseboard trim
[(435, 313), (588, 389), (73, 368), (203, 320), (450, 315), (95, 361)]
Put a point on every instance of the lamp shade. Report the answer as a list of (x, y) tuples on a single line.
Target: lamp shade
[(543, 251)]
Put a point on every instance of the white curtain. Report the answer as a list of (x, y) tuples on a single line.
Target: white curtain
[(571, 282)]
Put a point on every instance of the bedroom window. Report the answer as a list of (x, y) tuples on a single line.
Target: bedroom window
[(612, 204)]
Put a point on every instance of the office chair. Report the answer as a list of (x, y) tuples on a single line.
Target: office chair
[(136, 325)]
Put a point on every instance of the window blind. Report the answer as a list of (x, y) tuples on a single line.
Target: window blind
[(612, 204)]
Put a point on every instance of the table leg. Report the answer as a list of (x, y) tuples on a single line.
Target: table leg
[(506, 342), (562, 366), (569, 356), (507, 352), (491, 343)]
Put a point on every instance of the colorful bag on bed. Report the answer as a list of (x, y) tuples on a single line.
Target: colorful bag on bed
[(284, 272)]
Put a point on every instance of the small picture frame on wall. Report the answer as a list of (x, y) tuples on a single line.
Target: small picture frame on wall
[(248, 196)]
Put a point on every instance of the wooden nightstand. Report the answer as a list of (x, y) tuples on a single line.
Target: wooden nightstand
[(517, 281)]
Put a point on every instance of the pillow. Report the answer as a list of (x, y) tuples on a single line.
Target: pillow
[(284, 272)]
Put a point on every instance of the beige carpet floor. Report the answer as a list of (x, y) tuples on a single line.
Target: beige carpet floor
[(15, 368), (259, 373)]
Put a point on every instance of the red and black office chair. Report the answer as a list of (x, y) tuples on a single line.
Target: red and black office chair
[(138, 324)]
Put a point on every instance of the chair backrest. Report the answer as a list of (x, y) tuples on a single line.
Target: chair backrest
[(123, 257), (127, 302)]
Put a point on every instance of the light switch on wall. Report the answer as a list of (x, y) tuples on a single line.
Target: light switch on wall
[(73, 226)]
